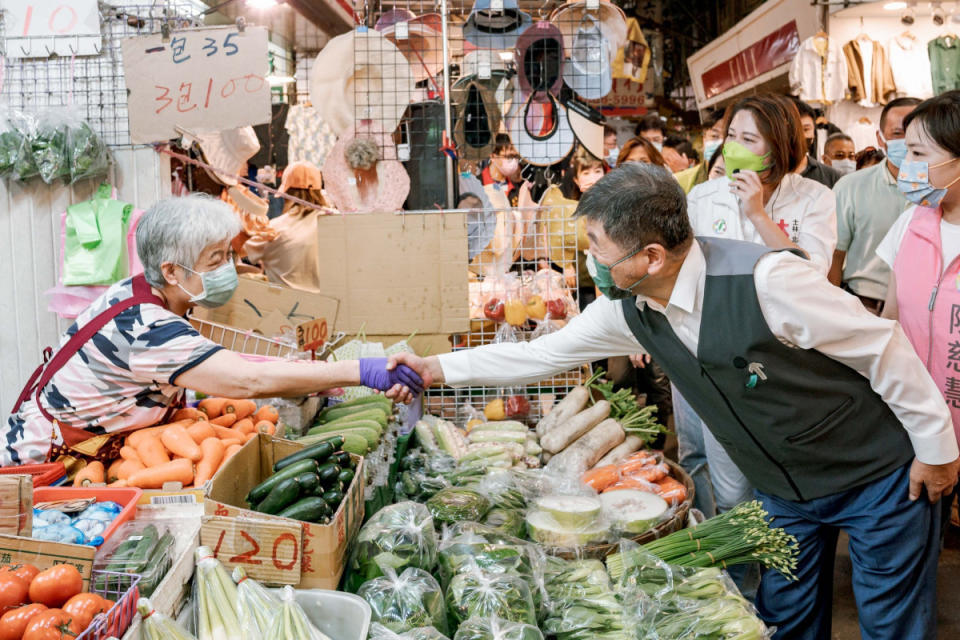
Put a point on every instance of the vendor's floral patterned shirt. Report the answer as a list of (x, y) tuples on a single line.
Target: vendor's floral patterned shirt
[(122, 379)]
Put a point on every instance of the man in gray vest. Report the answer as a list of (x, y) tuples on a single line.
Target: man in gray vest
[(824, 407)]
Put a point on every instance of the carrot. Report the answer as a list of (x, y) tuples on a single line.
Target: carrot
[(213, 452), (154, 477), (652, 473), (265, 426), (189, 413), (112, 470), (269, 413), (633, 483), (244, 426), (93, 473), (152, 453), (229, 442), (135, 438), (672, 490), (231, 450), (242, 408), (178, 441), (601, 477), (118, 484), (250, 436), (128, 468), (200, 431), (213, 407), (223, 432), (129, 453), (225, 420)]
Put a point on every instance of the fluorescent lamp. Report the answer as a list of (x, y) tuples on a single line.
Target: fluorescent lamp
[(279, 81), (506, 56), (262, 4), (895, 6)]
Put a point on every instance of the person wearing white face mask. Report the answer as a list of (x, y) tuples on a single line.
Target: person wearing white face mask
[(126, 361), (653, 129), (839, 153), (610, 148), (712, 135), (868, 203)]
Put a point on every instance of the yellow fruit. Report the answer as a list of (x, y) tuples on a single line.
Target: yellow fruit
[(495, 410)]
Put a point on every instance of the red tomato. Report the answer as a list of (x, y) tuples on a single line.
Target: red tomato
[(56, 585), (26, 572), (13, 592), (14, 623), (52, 624), (84, 607)]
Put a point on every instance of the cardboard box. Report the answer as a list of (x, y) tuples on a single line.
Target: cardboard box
[(16, 505), (44, 554), (266, 552), (396, 273)]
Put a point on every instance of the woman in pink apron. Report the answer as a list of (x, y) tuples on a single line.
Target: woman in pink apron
[(125, 362)]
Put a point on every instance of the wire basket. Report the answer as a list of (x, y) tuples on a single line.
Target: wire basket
[(243, 341), (120, 588)]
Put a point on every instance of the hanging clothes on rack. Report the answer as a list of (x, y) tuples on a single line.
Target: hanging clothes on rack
[(311, 139), (944, 63), (870, 78), (818, 73), (910, 64)]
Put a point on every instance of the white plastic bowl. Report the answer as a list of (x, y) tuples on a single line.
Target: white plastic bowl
[(338, 615)]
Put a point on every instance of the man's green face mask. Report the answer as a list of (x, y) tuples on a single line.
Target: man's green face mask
[(603, 279)]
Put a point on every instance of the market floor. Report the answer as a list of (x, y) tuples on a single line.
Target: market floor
[(948, 591)]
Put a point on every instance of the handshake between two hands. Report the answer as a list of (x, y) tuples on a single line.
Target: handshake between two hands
[(400, 377)]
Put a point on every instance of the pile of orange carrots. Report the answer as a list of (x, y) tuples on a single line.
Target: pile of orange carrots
[(643, 470), (188, 450)]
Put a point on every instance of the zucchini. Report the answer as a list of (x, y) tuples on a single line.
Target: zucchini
[(364, 402), (328, 429), (328, 474), (259, 492), (343, 459), (333, 498), (345, 477), (309, 482), (280, 497), (374, 414), (309, 509), (319, 452), (352, 443), (370, 434)]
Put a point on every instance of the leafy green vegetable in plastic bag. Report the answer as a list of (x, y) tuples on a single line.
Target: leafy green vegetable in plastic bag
[(507, 521), (401, 603), (23, 126), (396, 537), (481, 594), (455, 505), (88, 155), (380, 632), (10, 142), (496, 629), (48, 144)]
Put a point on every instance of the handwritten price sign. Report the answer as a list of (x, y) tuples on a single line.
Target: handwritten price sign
[(311, 335), (203, 80), (268, 550)]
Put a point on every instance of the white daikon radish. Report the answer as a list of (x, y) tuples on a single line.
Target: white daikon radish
[(570, 406), (585, 452), (561, 436), (618, 453)]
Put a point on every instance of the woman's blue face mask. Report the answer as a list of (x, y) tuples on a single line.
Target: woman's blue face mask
[(218, 285)]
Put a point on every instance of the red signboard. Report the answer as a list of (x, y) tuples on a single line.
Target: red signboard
[(762, 56)]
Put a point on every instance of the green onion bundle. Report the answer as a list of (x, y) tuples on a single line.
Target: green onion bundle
[(741, 535)]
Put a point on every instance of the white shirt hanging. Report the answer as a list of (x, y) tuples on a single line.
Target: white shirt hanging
[(910, 63), (818, 73)]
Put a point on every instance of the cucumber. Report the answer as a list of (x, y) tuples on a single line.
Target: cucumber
[(327, 429), (259, 492), (364, 402), (280, 497), (345, 477), (309, 482), (371, 435), (319, 452), (333, 498), (328, 474), (119, 561), (141, 555), (343, 459), (352, 443), (309, 509), (374, 414)]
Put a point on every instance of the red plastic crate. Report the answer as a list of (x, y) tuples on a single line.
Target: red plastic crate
[(125, 497), (44, 475)]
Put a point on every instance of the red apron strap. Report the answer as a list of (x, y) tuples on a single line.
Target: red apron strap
[(141, 295)]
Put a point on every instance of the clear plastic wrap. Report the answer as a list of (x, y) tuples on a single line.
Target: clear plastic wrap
[(399, 536), (290, 621), (10, 141), (457, 504), (582, 604), (256, 606), (141, 547), (48, 144), (380, 632), (156, 626), (494, 628), (401, 603), (566, 515), (87, 153), (23, 125), (477, 593), (215, 598)]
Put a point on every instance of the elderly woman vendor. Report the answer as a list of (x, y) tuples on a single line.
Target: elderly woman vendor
[(125, 362)]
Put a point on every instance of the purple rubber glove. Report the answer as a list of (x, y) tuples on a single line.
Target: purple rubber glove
[(374, 374)]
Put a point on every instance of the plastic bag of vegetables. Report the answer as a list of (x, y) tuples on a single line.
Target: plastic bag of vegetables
[(215, 596), (256, 606), (567, 521), (477, 593), (396, 537), (401, 603), (157, 626), (454, 505), (10, 141), (495, 628), (48, 144), (509, 522), (582, 603), (290, 622), (23, 125), (380, 632), (87, 154), (472, 549)]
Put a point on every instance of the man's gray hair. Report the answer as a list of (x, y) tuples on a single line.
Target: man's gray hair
[(179, 229)]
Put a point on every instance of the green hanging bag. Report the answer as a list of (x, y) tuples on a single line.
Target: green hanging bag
[(96, 240)]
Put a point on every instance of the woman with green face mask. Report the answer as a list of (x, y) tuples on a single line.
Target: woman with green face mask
[(760, 198)]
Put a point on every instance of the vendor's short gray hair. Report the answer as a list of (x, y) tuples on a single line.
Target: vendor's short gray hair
[(362, 153), (179, 229)]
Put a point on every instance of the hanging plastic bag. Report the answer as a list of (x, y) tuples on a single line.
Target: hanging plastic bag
[(10, 141), (290, 622), (96, 242), (23, 126), (87, 154), (48, 144), (401, 603)]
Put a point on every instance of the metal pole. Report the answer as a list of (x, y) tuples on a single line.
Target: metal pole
[(446, 103)]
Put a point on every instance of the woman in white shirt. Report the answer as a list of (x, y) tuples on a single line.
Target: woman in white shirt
[(760, 199)]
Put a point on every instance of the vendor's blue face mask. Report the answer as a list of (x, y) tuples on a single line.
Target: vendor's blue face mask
[(603, 279), (218, 285)]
